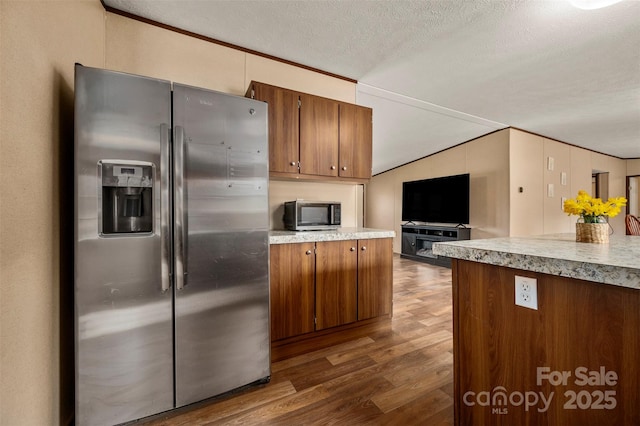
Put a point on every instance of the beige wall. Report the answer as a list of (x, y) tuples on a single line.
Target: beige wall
[(486, 160), (554, 219), (526, 154), (535, 212), (488, 164), (581, 171), (40, 42), (138, 48), (349, 195), (633, 167)]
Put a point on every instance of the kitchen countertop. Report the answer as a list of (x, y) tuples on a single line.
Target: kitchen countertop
[(616, 263), (284, 237)]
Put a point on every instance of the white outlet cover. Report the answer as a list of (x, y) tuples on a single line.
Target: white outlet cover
[(526, 292)]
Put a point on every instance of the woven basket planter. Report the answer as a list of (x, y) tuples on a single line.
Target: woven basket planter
[(592, 233)]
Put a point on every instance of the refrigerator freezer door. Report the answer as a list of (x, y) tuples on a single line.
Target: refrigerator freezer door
[(222, 302), (123, 318)]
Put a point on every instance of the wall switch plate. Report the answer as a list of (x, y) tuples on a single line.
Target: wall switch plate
[(550, 190), (550, 163), (527, 292), (563, 178)]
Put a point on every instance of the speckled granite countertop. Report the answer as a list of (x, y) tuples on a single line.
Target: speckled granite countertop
[(284, 237), (616, 263)]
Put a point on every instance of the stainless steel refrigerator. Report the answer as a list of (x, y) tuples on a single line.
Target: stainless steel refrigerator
[(171, 245)]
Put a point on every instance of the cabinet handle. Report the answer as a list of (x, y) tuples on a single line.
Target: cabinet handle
[(344, 167), (308, 252), (364, 248), (293, 163), (352, 249), (333, 167)]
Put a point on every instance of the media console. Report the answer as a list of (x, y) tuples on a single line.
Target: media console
[(417, 242)]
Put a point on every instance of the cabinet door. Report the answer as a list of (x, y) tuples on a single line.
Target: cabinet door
[(336, 283), (283, 127), (409, 243), (292, 289), (355, 141), (318, 136), (375, 277)]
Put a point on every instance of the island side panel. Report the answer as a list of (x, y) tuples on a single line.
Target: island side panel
[(456, 338), (577, 324)]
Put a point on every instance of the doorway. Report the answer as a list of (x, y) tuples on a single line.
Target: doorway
[(633, 195), (600, 185)]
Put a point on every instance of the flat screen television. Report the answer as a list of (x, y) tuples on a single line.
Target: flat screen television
[(437, 200)]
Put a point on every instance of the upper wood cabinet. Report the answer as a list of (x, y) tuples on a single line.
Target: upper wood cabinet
[(355, 141), (315, 138), (318, 136), (284, 131)]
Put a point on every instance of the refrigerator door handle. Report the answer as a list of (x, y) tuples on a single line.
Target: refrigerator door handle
[(165, 236), (179, 224)]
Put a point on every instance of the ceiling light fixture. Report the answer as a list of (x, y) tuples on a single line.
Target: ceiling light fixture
[(592, 4)]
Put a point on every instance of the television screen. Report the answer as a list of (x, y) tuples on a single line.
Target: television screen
[(438, 200)]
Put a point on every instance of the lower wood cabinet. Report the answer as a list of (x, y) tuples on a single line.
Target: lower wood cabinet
[(292, 276), (316, 286), (336, 283), (375, 277)]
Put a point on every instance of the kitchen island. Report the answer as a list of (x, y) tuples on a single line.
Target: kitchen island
[(572, 361)]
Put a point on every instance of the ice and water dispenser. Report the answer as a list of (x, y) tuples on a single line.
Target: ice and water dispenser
[(127, 196)]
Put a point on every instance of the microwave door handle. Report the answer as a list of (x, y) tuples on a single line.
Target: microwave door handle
[(179, 217), (165, 237)]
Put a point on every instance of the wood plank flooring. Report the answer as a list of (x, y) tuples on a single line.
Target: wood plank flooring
[(396, 371)]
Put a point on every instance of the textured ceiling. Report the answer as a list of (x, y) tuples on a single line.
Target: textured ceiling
[(440, 72)]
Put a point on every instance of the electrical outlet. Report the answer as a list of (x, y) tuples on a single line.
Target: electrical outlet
[(527, 292)]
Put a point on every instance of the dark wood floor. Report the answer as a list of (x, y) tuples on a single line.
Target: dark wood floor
[(393, 372)]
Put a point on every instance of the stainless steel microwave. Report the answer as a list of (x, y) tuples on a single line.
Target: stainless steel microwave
[(302, 215)]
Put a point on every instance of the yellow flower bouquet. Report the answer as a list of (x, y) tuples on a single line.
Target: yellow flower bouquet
[(592, 227), (593, 210)]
